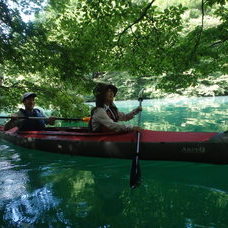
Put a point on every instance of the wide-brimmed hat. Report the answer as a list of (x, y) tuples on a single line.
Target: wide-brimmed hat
[(27, 95), (102, 88)]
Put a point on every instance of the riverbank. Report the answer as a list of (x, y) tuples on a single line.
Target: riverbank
[(129, 87)]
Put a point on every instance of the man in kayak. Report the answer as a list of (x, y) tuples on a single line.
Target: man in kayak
[(28, 99), (105, 116)]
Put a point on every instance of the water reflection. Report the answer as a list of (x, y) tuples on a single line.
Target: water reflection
[(12, 181), (65, 191), (182, 114), (30, 208), (175, 205)]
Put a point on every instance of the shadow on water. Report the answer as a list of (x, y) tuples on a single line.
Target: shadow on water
[(39, 189)]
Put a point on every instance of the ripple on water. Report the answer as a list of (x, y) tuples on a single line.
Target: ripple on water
[(3, 147), (29, 208), (12, 185)]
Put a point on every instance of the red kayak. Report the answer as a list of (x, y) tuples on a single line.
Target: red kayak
[(208, 147)]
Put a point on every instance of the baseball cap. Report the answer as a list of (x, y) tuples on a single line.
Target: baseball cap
[(26, 95)]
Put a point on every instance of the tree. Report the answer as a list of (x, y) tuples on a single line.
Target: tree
[(72, 39)]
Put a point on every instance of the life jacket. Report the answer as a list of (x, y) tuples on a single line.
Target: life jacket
[(32, 125), (112, 112)]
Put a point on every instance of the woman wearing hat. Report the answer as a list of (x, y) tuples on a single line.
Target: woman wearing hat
[(105, 116)]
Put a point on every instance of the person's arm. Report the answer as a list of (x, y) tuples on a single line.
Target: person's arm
[(10, 124), (130, 115), (100, 117), (14, 122), (50, 120)]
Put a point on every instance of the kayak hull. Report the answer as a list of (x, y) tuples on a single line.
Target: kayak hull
[(123, 145)]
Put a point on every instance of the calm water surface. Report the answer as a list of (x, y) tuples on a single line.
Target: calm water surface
[(40, 189)]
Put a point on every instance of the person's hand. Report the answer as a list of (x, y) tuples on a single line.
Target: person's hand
[(14, 117), (136, 128), (51, 120), (139, 109)]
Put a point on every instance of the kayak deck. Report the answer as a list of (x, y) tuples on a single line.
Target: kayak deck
[(146, 135)]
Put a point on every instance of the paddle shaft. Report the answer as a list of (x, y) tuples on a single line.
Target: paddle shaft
[(139, 115), (135, 176), (139, 124), (137, 171), (46, 118)]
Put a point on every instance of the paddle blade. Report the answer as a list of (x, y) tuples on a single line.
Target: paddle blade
[(86, 119), (135, 178)]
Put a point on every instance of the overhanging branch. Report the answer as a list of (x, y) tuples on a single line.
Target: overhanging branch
[(218, 42), (144, 12)]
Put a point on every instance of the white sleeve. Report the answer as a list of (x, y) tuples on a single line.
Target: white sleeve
[(100, 118)]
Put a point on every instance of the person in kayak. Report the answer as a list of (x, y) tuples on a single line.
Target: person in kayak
[(28, 99), (105, 116)]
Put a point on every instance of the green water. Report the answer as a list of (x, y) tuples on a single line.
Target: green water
[(39, 189)]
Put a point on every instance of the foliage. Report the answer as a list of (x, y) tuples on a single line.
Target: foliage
[(61, 98), (71, 40), (129, 86), (13, 30)]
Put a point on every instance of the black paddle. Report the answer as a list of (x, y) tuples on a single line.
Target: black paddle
[(135, 178), (85, 119)]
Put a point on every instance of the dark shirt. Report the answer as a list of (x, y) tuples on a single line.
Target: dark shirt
[(32, 125), (26, 124)]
